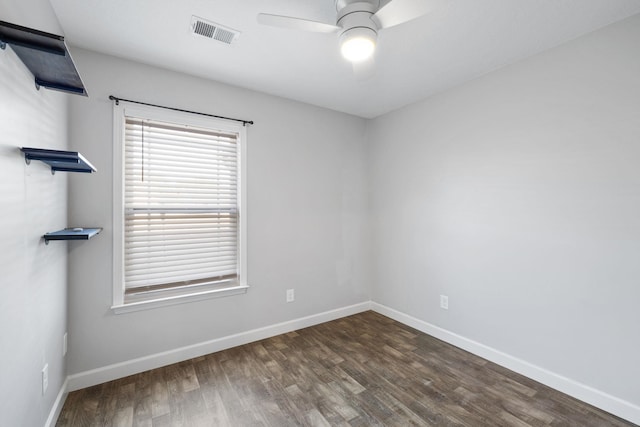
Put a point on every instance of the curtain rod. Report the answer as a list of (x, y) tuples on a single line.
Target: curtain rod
[(244, 122)]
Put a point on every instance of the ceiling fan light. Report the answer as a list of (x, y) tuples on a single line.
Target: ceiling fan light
[(358, 44)]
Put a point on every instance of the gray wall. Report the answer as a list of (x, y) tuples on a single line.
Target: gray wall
[(518, 196), (33, 277), (306, 215)]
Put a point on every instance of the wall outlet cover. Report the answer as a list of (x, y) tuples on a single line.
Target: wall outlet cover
[(45, 378), (444, 302)]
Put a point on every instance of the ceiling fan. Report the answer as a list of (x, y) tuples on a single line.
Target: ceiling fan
[(357, 23)]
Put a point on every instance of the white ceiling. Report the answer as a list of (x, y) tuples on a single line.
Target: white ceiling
[(457, 41)]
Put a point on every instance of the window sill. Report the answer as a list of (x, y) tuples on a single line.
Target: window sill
[(179, 299)]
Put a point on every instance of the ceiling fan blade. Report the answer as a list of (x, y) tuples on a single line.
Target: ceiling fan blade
[(400, 11), (296, 23), (364, 70)]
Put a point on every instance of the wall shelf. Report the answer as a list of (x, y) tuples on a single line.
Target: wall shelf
[(65, 161), (68, 161), (45, 55), (72, 234)]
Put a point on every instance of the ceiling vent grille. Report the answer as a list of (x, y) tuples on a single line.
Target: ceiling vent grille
[(214, 31)]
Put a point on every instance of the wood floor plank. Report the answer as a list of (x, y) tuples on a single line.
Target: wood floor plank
[(159, 397), (362, 370)]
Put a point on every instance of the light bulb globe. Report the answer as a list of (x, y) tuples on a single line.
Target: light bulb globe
[(358, 44)]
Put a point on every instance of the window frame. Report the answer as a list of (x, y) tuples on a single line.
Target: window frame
[(123, 109)]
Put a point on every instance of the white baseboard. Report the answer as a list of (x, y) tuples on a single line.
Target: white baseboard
[(57, 405), (599, 399), (134, 366)]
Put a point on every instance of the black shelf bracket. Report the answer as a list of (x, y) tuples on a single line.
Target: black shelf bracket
[(77, 233), (45, 55), (64, 161)]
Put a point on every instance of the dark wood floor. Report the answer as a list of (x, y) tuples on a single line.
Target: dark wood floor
[(362, 370)]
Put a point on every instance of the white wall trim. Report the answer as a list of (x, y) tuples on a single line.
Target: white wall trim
[(58, 404), (590, 395), (152, 361)]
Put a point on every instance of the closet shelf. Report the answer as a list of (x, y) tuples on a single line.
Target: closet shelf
[(72, 234), (45, 55), (65, 161)]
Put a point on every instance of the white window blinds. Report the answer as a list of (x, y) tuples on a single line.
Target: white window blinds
[(180, 206)]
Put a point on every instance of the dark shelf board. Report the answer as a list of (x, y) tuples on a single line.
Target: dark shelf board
[(45, 55), (65, 161), (72, 234)]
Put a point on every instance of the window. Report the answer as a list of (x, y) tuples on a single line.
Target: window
[(179, 223)]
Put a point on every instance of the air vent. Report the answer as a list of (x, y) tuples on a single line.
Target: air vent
[(214, 31)]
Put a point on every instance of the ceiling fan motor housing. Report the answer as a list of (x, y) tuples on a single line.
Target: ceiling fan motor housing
[(357, 14)]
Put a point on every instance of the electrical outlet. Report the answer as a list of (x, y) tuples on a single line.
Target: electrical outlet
[(64, 345), (45, 378), (290, 295), (444, 302)]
